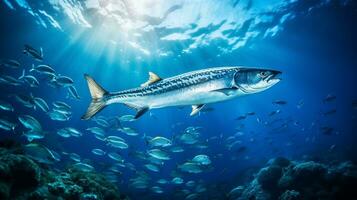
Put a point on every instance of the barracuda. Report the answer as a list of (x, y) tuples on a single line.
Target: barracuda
[(195, 88)]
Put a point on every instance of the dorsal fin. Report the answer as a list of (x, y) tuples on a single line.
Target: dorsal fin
[(153, 78)]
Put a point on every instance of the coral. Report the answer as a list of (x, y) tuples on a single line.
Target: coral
[(86, 196), (290, 195), (23, 178), (64, 188), (254, 191), (76, 184), (94, 183)]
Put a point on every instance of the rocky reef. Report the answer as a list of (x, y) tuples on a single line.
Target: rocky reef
[(293, 180), (23, 178)]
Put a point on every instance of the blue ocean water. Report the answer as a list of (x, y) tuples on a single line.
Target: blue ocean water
[(118, 42)]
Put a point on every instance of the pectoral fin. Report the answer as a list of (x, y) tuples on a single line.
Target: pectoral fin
[(139, 110), (196, 109), (227, 91), (153, 78)]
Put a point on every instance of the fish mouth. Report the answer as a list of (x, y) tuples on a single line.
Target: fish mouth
[(274, 77)]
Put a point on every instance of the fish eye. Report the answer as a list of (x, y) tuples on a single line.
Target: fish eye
[(263, 74)]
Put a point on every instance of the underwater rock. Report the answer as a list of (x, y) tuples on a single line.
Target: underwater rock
[(9, 144), (281, 162), (268, 177), (255, 192), (17, 174), (39, 194), (309, 171), (286, 179), (23, 178), (346, 169), (235, 192), (294, 180), (4, 191), (299, 175)]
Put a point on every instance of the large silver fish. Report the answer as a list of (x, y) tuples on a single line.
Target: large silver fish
[(195, 88)]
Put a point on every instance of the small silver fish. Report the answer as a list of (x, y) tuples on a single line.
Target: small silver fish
[(72, 93), (42, 69), (10, 63), (39, 102), (29, 50), (30, 122), (25, 100), (9, 80), (98, 152), (6, 106), (34, 135), (7, 125), (31, 80), (64, 81), (57, 116), (159, 142), (40, 153), (83, 167)]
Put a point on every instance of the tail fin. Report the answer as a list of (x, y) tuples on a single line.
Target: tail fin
[(13, 129), (97, 93), (22, 75), (32, 68)]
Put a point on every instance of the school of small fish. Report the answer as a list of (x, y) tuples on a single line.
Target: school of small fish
[(117, 132)]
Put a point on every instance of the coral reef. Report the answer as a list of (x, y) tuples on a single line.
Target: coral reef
[(290, 195), (23, 178), (292, 180)]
